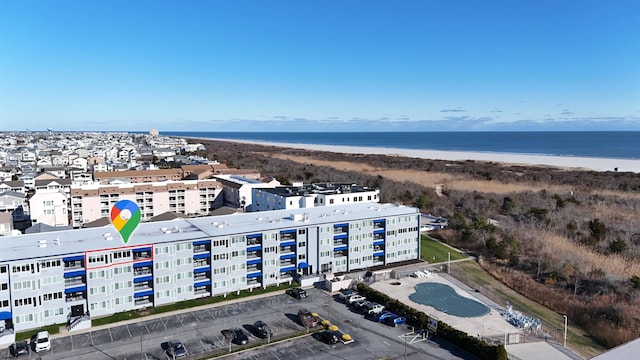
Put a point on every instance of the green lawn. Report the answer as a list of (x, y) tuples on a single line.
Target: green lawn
[(434, 251)]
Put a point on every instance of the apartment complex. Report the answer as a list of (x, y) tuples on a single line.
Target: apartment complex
[(74, 275), (189, 197)]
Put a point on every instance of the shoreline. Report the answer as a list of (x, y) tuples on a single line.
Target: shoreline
[(563, 162)]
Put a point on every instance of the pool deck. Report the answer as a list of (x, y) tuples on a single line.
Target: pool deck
[(487, 325), (491, 325)]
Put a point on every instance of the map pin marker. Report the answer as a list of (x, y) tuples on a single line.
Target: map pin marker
[(125, 217)]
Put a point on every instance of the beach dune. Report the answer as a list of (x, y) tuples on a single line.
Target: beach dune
[(566, 162)]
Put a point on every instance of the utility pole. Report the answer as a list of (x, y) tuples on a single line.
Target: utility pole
[(405, 348), (565, 330)]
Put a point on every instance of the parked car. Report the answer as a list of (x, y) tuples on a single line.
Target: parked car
[(236, 336), (262, 330), (374, 308), (297, 293), (174, 349), (394, 320), (307, 319), (41, 341), (346, 293), (19, 348), (379, 317), (330, 337), (356, 297), (362, 303)]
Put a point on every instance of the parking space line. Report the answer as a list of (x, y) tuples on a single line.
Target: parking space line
[(145, 326), (194, 315), (128, 330), (110, 335), (310, 349), (274, 355)]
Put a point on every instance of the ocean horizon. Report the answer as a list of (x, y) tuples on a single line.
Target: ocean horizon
[(596, 144)]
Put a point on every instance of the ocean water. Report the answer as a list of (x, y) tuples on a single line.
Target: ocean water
[(603, 144)]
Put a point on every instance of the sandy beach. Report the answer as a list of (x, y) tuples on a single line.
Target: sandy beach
[(566, 162)]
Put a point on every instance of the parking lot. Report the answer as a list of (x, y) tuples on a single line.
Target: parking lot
[(200, 332)]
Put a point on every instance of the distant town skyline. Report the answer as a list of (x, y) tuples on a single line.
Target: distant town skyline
[(320, 65)]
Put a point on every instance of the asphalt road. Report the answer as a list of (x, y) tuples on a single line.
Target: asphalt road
[(200, 331)]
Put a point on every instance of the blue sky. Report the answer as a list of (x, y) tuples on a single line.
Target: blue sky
[(320, 65)]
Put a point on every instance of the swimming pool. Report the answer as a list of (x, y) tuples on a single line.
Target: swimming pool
[(445, 299)]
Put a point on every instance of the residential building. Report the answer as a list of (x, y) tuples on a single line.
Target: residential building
[(307, 196), (49, 206), (67, 277), (91, 202), (6, 224), (135, 176), (238, 190)]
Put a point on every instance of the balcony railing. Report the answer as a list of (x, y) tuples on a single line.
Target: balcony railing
[(71, 297), (200, 249), (201, 276), (74, 281), (142, 271), (143, 286)]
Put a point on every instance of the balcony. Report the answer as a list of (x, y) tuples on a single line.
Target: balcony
[(144, 285), (142, 271), (254, 254), (142, 254), (201, 262), (75, 294), (287, 249), (202, 276), (144, 301), (340, 253), (288, 263), (288, 236), (78, 280), (254, 267), (340, 242), (201, 246), (202, 291), (341, 229), (73, 264)]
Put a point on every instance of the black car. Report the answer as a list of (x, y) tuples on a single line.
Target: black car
[(330, 337), (19, 348), (262, 330), (297, 293), (237, 336), (174, 349)]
